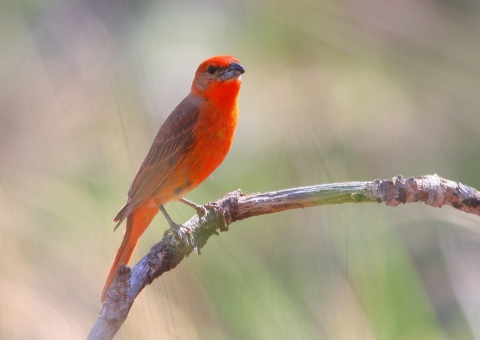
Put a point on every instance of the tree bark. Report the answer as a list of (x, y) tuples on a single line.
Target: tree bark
[(167, 254)]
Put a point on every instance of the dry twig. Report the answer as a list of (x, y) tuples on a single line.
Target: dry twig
[(167, 254)]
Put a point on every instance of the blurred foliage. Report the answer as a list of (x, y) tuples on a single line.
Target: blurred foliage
[(334, 91)]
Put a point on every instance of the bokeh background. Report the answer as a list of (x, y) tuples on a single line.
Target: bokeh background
[(334, 91)]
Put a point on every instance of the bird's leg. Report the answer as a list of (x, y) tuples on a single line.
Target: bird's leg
[(184, 233), (199, 208), (172, 224)]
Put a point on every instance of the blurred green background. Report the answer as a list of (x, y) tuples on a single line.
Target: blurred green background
[(334, 91)]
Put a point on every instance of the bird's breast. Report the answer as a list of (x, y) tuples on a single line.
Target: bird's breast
[(214, 135)]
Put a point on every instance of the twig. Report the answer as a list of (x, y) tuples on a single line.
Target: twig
[(167, 254)]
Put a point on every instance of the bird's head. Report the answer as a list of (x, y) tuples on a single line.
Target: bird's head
[(218, 72)]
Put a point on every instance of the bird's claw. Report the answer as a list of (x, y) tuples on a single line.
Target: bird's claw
[(185, 235)]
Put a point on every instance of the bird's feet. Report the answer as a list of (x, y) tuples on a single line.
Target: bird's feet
[(184, 233), (200, 209)]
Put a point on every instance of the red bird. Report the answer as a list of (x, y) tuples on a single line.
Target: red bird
[(190, 145)]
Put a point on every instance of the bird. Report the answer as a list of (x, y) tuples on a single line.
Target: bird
[(192, 142)]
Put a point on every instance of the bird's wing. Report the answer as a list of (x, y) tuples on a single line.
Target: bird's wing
[(174, 138)]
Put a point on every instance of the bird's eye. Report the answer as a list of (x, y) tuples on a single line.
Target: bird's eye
[(211, 69)]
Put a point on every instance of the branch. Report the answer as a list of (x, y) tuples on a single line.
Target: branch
[(235, 206)]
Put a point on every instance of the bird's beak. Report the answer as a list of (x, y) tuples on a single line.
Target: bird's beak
[(235, 70)]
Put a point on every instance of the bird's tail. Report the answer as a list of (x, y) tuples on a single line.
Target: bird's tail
[(137, 223)]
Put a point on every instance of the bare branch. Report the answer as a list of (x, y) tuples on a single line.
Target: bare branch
[(167, 254)]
